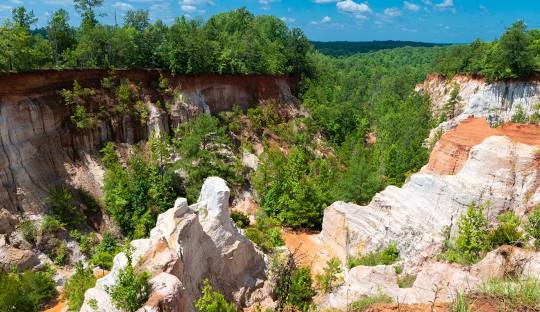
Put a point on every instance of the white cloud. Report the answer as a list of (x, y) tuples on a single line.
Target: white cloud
[(392, 12), (288, 19), (122, 6), (411, 6), (265, 4), (445, 4), (324, 20), (16, 1), (194, 6), (326, 1), (350, 6)]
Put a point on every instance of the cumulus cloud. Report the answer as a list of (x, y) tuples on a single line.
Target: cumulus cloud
[(194, 6), (324, 20), (288, 19), (411, 6), (350, 6), (445, 4), (392, 12)]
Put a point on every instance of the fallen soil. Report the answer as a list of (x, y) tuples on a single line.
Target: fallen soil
[(308, 248), (390, 307), (452, 150)]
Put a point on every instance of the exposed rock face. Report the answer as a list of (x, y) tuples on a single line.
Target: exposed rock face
[(188, 245), (452, 150), (436, 281), (495, 101), (498, 170), (39, 147)]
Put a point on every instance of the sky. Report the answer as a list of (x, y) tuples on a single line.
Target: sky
[(441, 21)]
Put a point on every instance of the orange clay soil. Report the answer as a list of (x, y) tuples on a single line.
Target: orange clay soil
[(390, 307), (452, 150), (309, 250)]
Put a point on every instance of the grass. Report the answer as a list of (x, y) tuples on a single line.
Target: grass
[(460, 304), (366, 302), (386, 256)]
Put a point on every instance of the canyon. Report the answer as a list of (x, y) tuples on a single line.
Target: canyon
[(472, 161)]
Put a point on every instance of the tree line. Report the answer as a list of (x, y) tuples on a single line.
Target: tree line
[(516, 54), (235, 42)]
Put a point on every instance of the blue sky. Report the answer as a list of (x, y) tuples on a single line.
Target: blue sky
[(453, 21)]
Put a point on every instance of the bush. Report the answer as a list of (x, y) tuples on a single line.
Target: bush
[(87, 242), (330, 278), (532, 227), (28, 291), (471, 239), (132, 289), (406, 281), (28, 231), (213, 301), (386, 256), (300, 289), (105, 251), (366, 302), (519, 116), (507, 232), (266, 233), (240, 219), (51, 225), (76, 286), (62, 207), (292, 285)]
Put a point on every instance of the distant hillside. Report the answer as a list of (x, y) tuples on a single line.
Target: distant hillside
[(345, 48)]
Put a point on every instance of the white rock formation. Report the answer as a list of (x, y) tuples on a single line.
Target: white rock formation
[(498, 171), (496, 101), (188, 245), (436, 281)]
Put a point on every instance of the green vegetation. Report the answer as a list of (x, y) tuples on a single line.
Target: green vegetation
[(26, 292), (475, 237), (132, 288), (514, 55), (514, 293), (63, 207), (237, 42), (137, 193), (28, 230), (330, 278), (212, 301), (104, 252), (532, 226), (406, 280), (348, 48), (77, 285), (292, 285), (240, 219), (202, 144), (266, 233), (366, 302), (386, 256)]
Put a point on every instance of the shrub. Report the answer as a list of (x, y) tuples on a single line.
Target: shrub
[(366, 302), (51, 225), (519, 116), (61, 204), (386, 256), (28, 231), (330, 278), (240, 219), (532, 227), (471, 239), (87, 242), (213, 301), (300, 289), (406, 280), (59, 253), (266, 233), (292, 285), (132, 289), (27, 291), (105, 251), (77, 285), (507, 232)]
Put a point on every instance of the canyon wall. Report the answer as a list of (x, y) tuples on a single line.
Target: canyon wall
[(39, 146)]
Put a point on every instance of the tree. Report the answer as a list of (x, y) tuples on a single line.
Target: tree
[(132, 289), (137, 19), (23, 18), (86, 9), (76, 286), (60, 34), (212, 301)]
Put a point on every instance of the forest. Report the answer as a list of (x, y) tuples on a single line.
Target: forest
[(237, 42), (348, 48)]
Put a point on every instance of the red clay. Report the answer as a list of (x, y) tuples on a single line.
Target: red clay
[(452, 150)]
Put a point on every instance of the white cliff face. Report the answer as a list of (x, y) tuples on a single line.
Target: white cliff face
[(498, 171), (496, 101), (188, 245)]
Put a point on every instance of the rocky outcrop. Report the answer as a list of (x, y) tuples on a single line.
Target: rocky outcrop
[(499, 171), (495, 101), (39, 147), (436, 281), (188, 245), (452, 150)]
